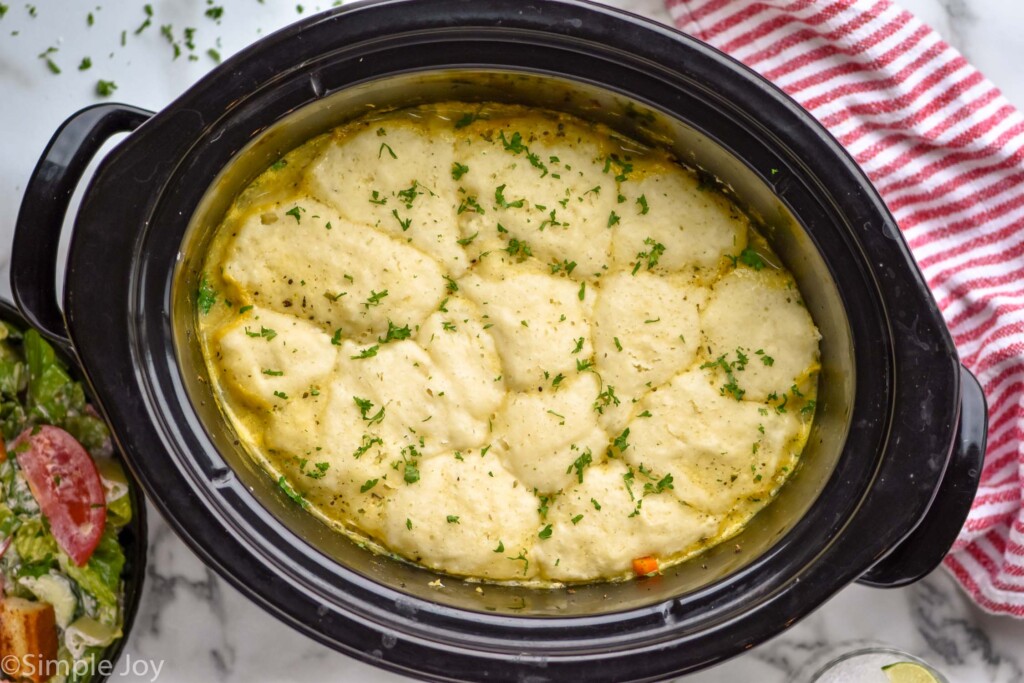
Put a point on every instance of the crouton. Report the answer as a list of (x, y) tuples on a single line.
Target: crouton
[(28, 639)]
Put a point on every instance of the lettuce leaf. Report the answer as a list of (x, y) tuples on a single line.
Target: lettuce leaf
[(51, 392), (101, 575)]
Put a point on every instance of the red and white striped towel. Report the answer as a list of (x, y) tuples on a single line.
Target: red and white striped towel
[(944, 148)]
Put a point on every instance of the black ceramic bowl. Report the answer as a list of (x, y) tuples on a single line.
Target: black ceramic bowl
[(893, 459), (133, 537)]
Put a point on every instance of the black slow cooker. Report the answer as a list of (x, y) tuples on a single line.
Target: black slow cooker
[(894, 456)]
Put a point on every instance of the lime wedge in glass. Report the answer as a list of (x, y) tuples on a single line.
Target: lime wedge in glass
[(908, 672)]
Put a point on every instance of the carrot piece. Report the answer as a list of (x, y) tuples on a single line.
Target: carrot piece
[(642, 566)]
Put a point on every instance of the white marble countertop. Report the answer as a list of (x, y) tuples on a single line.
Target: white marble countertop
[(201, 629)]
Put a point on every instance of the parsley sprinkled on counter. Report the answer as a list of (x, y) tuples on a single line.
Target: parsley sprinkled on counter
[(105, 88)]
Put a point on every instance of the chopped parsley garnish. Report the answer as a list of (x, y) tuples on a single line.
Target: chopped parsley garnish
[(319, 470), (206, 296), (408, 524), (557, 379), (296, 213), (453, 519), (377, 198), (515, 145), (500, 548), (583, 291), (368, 443), (581, 463), (576, 520), (451, 284), (518, 249), (368, 352), (624, 167), (214, 13), (579, 345), (597, 506), (459, 170), (466, 241), (409, 194), (278, 165), (386, 146), (499, 197), (281, 395), (663, 484), (290, 492), (465, 120), (273, 373), (245, 309), (264, 332), (765, 358), (565, 267), (86, 63), (395, 333), (370, 483), (403, 223), (411, 472), (606, 399), (808, 408), (375, 298), (731, 387), (545, 533), (613, 218), (642, 203), (620, 444), (748, 257), (526, 562), (336, 337), (627, 479), (470, 204), (651, 255), (583, 365), (365, 406)]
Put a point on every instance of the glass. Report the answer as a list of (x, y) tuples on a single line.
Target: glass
[(865, 666)]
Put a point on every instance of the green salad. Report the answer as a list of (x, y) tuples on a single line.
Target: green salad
[(63, 503)]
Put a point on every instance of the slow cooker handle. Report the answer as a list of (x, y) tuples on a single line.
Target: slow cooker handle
[(41, 217), (923, 550)]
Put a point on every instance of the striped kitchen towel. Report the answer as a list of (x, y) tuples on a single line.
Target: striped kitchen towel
[(944, 148)]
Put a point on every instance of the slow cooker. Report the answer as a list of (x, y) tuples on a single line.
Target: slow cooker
[(893, 459)]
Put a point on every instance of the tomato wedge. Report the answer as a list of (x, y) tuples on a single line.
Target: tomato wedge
[(64, 481)]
